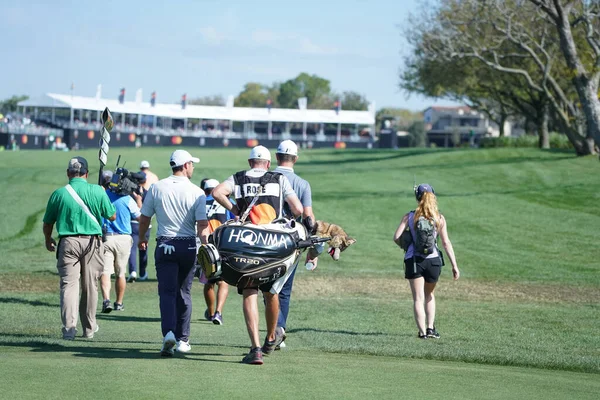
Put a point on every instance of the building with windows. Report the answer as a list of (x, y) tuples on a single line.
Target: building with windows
[(451, 126)]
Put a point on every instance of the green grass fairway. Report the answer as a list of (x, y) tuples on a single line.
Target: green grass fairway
[(522, 322)]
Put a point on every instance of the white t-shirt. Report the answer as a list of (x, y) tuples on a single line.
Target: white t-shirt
[(178, 204)]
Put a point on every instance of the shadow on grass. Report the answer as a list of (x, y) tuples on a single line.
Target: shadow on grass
[(118, 316), (36, 346), (35, 303), (341, 332)]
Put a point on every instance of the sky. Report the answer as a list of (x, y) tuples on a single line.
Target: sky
[(203, 47)]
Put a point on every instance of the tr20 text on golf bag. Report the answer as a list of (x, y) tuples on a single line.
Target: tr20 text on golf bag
[(248, 255)]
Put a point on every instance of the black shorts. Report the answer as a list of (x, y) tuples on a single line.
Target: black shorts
[(428, 268), (263, 288)]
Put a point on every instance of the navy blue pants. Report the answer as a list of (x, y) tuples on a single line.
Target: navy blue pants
[(135, 235), (175, 266), (284, 300)]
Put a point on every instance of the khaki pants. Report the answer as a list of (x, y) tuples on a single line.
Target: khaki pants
[(80, 259)]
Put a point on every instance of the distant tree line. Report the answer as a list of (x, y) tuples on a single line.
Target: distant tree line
[(317, 90), (533, 60)]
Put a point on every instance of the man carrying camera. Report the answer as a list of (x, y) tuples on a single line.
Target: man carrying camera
[(122, 188)]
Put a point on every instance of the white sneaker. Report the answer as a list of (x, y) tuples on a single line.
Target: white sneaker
[(168, 344), (183, 346), (132, 276)]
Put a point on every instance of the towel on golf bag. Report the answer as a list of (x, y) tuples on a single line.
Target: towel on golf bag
[(247, 255)]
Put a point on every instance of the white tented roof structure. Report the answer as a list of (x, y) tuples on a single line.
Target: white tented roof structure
[(175, 111)]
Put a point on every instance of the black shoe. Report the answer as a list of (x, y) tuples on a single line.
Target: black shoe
[(422, 336), (119, 307), (254, 357), (269, 346), (106, 307), (432, 333)]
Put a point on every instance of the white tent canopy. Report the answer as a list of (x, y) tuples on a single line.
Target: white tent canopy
[(165, 110)]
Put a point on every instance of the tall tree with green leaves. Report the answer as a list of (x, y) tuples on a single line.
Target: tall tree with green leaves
[(514, 40), (317, 90), (10, 104)]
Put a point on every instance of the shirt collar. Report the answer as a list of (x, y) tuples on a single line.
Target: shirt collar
[(179, 178), (280, 168), (77, 179)]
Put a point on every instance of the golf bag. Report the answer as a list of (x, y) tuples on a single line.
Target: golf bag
[(247, 255)]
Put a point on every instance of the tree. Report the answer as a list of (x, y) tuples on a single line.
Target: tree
[(417, 134), (253, 95), (583, 15), (317, 90), (352, 101), (404, 117), (516, 46), (10, 105), (215, 100)]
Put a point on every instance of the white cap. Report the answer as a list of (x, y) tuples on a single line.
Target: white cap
[(144, 164), (260, 153), (180, 157), (287, 147), (210, 184), (106, 176)]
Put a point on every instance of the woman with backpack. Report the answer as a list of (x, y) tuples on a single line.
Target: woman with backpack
[(423, 261)]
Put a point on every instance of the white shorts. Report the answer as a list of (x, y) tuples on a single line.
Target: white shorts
[(116, 254), (278, 284)]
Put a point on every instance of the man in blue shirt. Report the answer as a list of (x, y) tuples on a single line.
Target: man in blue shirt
[(118, 245)]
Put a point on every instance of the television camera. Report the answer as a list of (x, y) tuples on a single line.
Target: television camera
[(125, 182)]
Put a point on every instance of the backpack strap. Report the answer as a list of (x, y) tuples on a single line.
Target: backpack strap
[(79, 201), (268, 177)]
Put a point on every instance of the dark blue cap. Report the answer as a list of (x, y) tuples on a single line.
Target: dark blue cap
[(421, 189)]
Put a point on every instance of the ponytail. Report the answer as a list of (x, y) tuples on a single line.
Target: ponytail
[(428, 208)]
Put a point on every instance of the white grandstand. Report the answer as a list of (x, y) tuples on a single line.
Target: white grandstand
[(78, 112)]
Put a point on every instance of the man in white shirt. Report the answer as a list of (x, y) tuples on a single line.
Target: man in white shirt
[(180, 211), (268, 207)]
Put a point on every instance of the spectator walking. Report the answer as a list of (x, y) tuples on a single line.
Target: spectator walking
[(180, 211), (423, 268), (274, 190), (135, 236), (215, 289), (117, 246), (151, 177), (77, 210)]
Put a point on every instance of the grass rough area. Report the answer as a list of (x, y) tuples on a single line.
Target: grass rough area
[(520, 323)]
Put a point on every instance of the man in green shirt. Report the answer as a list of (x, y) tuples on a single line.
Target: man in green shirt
[(76, 209)]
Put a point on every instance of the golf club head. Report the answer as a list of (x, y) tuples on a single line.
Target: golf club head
[(107, 120)]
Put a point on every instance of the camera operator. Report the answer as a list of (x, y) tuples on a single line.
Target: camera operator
[(122, 188), (134, 273)]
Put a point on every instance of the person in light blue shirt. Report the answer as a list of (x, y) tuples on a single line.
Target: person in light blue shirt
[(117, 246)]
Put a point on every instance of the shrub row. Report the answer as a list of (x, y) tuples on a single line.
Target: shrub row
[(557, 141)]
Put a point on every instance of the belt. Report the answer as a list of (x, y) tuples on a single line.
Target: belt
[(162, 238), (79, 236), (116, 234)]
